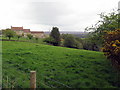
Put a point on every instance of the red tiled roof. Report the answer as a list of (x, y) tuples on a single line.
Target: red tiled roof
[(16, 28), (37, 32), (26, 30)]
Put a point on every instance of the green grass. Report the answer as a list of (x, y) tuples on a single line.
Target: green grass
[(33, 40), (73, 67)]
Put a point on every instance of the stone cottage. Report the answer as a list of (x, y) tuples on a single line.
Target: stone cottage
[(21, 31)]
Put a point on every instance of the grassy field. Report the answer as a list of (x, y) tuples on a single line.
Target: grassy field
[(55, 66), (33, 40)]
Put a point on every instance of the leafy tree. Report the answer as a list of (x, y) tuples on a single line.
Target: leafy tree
[(30, 36), (55, 34), (88, 44), (78, 44), (108, 22), (63, 36), (9, 33), (19, 36), (69, 41), (78, 39), (112, 47)]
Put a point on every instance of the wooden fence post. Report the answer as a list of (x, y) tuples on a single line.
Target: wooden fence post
[(33, 80)]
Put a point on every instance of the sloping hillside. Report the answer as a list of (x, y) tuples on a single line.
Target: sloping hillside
[(55, 66)]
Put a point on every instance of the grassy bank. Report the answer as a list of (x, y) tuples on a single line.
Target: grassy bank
[(71, 67)]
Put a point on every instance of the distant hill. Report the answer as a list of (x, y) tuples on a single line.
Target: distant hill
[(76, 33)]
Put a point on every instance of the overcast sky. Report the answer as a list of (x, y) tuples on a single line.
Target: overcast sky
[(74, 15)]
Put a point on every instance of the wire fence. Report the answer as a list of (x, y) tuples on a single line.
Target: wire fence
[(45, 82), (18, 80), (55, 83), (21, 79), (66, 86)]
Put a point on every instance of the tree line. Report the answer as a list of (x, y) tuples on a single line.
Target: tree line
[(66, 40)]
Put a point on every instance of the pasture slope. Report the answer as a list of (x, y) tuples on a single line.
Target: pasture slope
[(55, 66)]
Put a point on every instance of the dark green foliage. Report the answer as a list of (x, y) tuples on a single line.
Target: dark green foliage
[(36, 38), (79, 43), (71, 41), (89, 44), (79, 39), (49, 40), (19, 36), (9, 33), (30, 36), (55, 34), (63, 36)]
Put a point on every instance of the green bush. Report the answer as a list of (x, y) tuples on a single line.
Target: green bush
[(71, 42), (18, 36), (36, 38), (49, 40), (88, 44), (78, 44), (30, 36)]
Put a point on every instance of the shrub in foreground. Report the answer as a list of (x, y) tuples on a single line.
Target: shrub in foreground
[(112, 47)]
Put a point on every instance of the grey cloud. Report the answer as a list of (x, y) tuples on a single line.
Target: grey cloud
[(56, 14), (48, 13)]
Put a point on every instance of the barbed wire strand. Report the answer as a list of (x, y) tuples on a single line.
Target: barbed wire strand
[(52, 86), (57, 82), (53, 81), (45, 85)]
